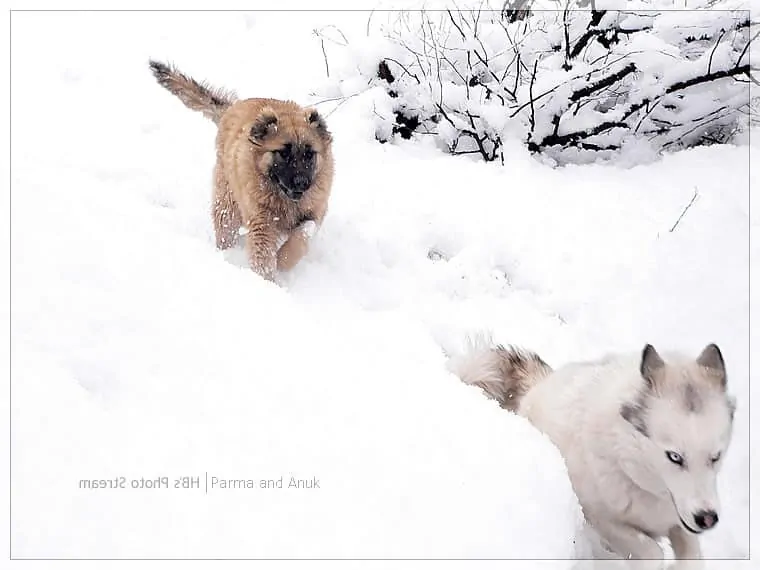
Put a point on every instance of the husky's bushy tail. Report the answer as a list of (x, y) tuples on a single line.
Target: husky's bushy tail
[(503, 373), (196, 95)]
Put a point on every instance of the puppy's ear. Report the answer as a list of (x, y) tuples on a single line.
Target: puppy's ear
[(712, 361), (264, 126), (651, 366), (317, 122)]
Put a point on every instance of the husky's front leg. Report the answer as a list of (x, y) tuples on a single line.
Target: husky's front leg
[(685, 547), (630, 543)]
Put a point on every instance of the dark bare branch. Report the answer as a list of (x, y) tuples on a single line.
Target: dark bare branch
[(602, 83)]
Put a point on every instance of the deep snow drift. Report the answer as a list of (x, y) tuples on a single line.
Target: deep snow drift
[(140, 351)]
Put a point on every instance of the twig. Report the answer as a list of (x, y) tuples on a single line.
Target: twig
[(369, 19), (602, 83), (746, 47), (566, 66), (591, 31), (649, 112), (532, 108), (406, 71), (738, 70), (712, 53), (451, 17), (342, 99), (686, 209), (324, 54)]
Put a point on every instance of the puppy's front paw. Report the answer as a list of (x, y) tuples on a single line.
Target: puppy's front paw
[(308, 228), (264, 268)]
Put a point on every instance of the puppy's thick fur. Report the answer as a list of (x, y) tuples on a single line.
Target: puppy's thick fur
[(643, 436), (273, 174)]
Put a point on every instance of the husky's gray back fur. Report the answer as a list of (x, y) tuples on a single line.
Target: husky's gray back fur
[(505, 374)]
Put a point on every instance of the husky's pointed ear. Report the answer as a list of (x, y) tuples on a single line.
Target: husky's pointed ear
[(651, 363), (712, 361), (264, 126), (731, 406), (317, 122)]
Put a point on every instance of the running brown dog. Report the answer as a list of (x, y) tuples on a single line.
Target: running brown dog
[(273, 174)]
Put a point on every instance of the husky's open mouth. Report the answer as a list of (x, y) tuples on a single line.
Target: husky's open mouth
[(680, 518), (687, 527)]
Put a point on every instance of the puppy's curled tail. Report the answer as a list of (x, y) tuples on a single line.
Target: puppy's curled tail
[(198, 96), (505, 374)]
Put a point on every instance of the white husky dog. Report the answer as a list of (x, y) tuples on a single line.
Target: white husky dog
[(643, 436)]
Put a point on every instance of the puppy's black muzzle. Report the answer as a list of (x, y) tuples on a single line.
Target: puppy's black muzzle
[(293, 169), (300, 185), (295, 187)]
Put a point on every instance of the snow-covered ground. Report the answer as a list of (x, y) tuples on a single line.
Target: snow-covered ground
[(140, 351)]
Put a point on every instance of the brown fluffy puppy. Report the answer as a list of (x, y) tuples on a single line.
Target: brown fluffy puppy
[(273, 173)]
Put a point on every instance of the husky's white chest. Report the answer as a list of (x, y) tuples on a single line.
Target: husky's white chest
[(653, 515)]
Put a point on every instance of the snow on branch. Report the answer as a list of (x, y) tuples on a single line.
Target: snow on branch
[(584, 80)]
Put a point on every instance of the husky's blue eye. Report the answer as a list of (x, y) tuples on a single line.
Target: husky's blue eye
[(676, 458)]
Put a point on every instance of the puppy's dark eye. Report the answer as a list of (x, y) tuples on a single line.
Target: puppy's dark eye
[(674, 457), (715, 458), (308, 154), (284, 152)]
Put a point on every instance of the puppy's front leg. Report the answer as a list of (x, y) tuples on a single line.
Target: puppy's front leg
[(261, 242), (296, 246), (630, 543), (225, 213)]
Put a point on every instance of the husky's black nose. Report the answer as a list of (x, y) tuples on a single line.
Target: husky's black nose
[(706, 519)]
